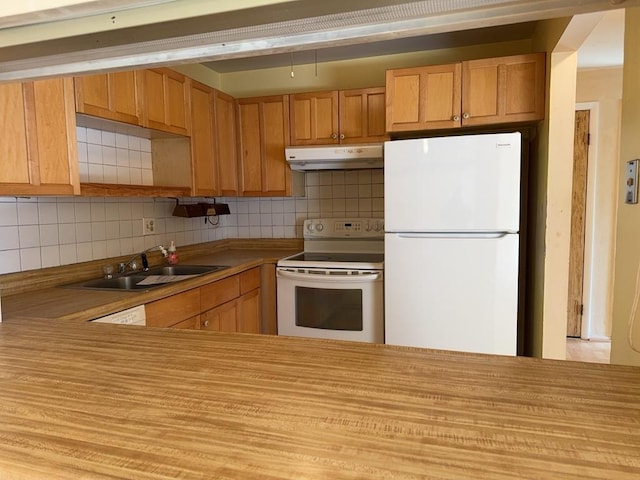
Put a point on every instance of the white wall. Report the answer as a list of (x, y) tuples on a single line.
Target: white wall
[(43, 232), (601, 88)]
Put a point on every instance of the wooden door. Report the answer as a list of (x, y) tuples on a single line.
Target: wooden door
[(113, 96), (362, 115), (205, 166), (225, 131), (16, 165), (276, 173), (423, 98), (578, 213), (249, 147), (220, 319), (166, 101), (249, 310), (503, 90), (314, 118)]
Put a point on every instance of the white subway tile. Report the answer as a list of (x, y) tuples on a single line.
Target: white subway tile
[(8, 213), (81, 134), (278, 232), (136, 176), (94, 136), (96, 173), (110, 174), (126, 228), (135, 159), (98, 212), (83, 156), (121, 141), (113, 248), (124, 177), (30, 258), (49, 235), (9, 261), (94, 154), (98, 231), (112, 230), (9, 238), (67, 233), (83, 212), (98, 249), (83, 172), (108, 139), (364, 191), (68, 254), (84, 251), (66, 213), (146, 161), (27, 213), (134, 143), (50, 256), (364, 177), (47, 213), (83, 232), (326, 191), (312, 178), (126, 246), (109, 156), (145, 145)]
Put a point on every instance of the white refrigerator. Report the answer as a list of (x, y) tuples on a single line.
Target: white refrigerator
[(452, 215)]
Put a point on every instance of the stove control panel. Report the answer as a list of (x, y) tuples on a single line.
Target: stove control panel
[(343, 227)]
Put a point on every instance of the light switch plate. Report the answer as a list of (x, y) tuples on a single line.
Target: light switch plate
[(631, 182)]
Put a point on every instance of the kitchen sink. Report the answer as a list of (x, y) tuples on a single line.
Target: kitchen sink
[(132, 281), (182, 270)]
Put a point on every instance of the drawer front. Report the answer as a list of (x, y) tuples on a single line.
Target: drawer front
[(174, 309), (249, 280), (192, 323), (220, 292)]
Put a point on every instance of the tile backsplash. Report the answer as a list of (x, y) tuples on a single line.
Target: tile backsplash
[(41, 232)]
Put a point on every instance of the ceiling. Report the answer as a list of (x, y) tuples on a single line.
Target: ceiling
[(298, 31), (604, 47)]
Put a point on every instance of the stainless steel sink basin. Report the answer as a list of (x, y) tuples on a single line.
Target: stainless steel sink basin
[(182, 270), (130, 282)]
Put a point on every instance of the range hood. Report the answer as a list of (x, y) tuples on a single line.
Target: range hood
[(334, 157)]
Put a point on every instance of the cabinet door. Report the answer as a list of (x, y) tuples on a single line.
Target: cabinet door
[(362, 115), (38, 139), (249, 312), (503, 90), (166, 101), (192, 323), (225, 130), (220, 319), (314, 118), (423, 98), (263, 134), (113, 96), (205, 166), (15, 172)]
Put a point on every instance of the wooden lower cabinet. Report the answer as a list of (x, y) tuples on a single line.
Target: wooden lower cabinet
[(233, 304)]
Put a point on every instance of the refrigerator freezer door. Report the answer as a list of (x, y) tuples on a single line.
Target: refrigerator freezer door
[(451, 184), (452, 293)]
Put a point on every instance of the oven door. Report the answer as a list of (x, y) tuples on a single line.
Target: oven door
[(331, 303)]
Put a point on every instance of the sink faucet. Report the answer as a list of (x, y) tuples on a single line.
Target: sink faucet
[(131, 264)]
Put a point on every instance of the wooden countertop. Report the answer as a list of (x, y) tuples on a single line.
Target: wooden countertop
[(81, 305), (94, 401)]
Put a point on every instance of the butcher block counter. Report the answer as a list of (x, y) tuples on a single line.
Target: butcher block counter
[(99, 401)]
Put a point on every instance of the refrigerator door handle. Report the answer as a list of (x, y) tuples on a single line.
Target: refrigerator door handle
[(456, 235)]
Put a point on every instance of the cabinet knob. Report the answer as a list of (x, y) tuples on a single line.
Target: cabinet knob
[(342, 136), (334, 136), (465, 115), (456, 118), (205, 323)]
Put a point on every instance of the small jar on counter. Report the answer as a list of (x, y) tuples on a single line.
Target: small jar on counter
[(172, 257)]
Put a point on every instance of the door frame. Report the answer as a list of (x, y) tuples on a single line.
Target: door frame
[(589, 232)]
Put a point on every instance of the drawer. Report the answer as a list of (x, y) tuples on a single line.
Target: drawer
[(249, 280), (174, 309), (220, 292)]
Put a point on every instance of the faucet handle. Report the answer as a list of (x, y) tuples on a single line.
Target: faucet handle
[(121, 267), (107, 270), (145, 262)]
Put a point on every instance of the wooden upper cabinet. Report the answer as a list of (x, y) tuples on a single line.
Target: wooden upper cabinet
[(503, 90), (345, 116), (38, 138), (225, 140), (166, 103), (263, 133), (362, 115), (423, 98), (205, 165), (314, 118), (113, 96), (478, 92)]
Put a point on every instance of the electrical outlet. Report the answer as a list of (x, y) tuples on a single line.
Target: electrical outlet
[(148, 226)]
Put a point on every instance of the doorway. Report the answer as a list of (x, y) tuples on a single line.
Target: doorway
[(575, 306)]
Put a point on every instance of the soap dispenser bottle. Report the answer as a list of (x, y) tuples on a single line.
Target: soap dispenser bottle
[(172, 257)]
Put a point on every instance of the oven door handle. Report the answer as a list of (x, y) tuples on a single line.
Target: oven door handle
[(328, 278)]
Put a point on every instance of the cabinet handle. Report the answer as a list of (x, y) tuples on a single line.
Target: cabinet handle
[(334, 135), (456, 118), (465, 115), (205, 323), (342, 136)]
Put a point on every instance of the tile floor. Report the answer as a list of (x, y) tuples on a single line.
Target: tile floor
[(591, 351)]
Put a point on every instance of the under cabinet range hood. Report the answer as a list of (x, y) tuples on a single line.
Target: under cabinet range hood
[(334, 157)]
